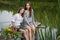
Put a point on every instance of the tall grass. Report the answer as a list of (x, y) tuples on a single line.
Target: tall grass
[(45, 12)]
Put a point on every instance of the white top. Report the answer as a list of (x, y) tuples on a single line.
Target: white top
[(18, 19)]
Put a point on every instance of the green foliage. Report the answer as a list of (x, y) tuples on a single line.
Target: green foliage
[(45, 11), (9, 33)]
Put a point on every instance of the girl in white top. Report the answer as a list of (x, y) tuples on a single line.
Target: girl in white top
[(17, 20)]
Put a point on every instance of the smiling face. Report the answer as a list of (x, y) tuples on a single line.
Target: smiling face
[(21, 11), (27, 5)]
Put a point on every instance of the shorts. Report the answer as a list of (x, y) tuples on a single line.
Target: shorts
[(26, 25)]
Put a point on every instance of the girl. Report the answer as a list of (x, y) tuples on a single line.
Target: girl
[(29, 20), (17, 20)]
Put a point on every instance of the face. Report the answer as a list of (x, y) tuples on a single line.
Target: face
[(27, 5), (22, 11)]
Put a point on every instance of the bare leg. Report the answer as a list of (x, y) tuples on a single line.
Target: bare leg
[(25, 35), (33, 31), (29, 32)]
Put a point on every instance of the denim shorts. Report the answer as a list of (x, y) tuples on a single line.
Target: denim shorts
[(26, 25)]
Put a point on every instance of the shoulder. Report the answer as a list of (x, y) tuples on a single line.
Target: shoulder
[(26, 11), (32, 10), (16, 14)]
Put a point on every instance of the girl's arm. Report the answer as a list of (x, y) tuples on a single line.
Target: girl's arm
[(35, 23), (13, 23), (33, 17), (14, 26)]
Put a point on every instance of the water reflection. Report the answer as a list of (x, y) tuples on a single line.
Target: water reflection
[(5, 18)]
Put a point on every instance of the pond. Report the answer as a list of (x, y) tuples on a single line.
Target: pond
[(5, 18)]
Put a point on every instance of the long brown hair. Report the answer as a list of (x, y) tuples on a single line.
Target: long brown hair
[(30, 9), (19, 11)]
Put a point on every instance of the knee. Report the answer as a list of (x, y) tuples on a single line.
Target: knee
[(29, 28), (23, 31), (26, 30), (33, 28)]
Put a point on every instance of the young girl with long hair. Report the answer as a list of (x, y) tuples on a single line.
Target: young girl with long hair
[(17, 20), (29, 20)]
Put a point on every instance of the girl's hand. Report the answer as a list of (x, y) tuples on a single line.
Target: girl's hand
[(30, 25), (15, 29)]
